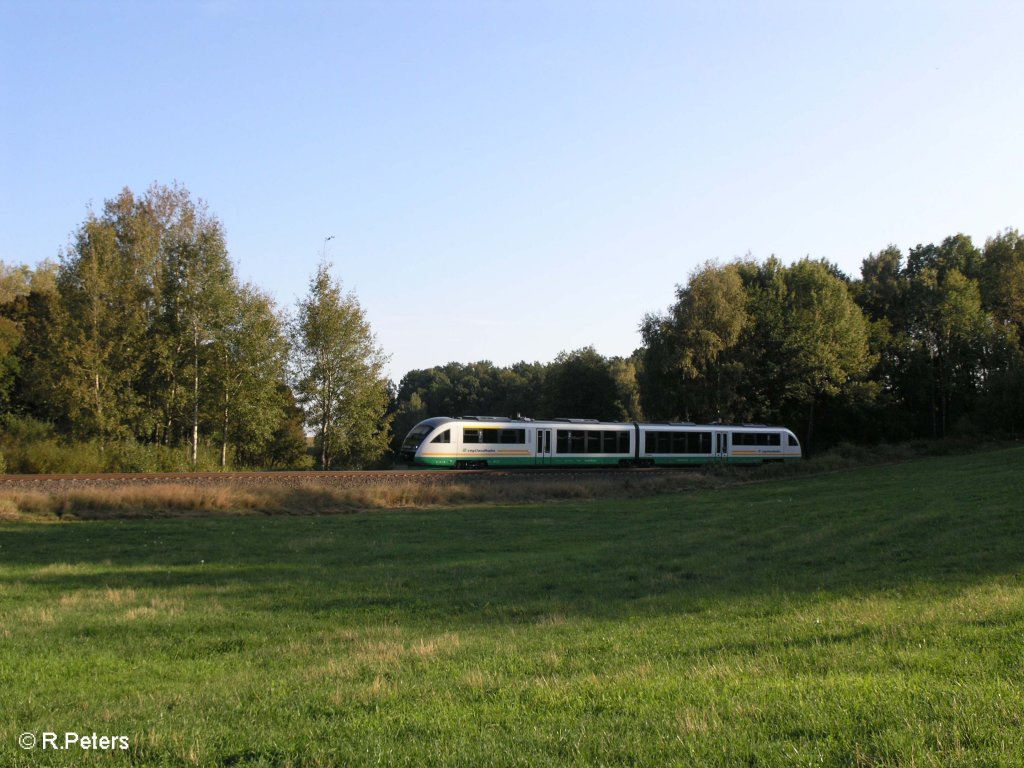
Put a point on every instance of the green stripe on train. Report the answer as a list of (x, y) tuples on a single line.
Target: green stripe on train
[(613, 461)]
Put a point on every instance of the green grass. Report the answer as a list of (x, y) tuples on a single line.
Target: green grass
[(870, 617)]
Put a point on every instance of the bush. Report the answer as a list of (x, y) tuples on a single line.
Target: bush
[(30, 446)]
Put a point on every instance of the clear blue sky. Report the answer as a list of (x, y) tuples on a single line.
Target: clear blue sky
[(507, 180)]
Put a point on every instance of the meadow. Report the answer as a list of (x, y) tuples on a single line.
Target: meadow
[(869, 617)]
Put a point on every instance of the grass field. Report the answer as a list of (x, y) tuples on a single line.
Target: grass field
[(871, 617)]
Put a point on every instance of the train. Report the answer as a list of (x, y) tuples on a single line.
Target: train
[(481, 442)]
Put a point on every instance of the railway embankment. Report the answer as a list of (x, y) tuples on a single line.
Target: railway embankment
[(105, 496)]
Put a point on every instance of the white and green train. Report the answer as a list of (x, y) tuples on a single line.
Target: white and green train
[(478, 442)]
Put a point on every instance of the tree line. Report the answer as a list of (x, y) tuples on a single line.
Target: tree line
[(141, 350), (922, 345)]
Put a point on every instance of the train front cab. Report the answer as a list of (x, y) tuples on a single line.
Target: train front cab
[(429, 443), (760, 445), (469, 443)]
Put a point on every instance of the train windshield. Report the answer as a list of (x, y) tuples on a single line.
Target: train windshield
[(414, 438)]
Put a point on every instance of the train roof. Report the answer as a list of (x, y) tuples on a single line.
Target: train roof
[(437, 420)]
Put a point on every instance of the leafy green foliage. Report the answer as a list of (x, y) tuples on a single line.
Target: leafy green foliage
[(339, 375), (945, 335), (761, 342), (927, 345), (582, 382), (687, 366), (143, 336)]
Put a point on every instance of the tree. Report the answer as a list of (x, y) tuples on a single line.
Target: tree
[(657, 377), (625, 372), (581, 384), (751, 341), (249, 363), (1002, 296), (36, 344), (148, 336), (100, 317), (15, 284), (1002, 280), (825, 342), (762, 370), (953, 344), (202, 301), (339, 375), (287, 448), (881, 293), (704, 324), (951, 334)]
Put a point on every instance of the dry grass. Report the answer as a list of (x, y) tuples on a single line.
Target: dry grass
[(184, 499), (312, 497)]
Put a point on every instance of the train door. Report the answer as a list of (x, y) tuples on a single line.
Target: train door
[(543, 446), (721, 446)]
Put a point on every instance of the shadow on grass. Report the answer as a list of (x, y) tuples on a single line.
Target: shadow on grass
[(947, 521)]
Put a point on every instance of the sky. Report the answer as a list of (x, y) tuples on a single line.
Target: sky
[(507, 180)]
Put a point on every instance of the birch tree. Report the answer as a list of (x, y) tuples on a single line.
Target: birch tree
[(339, 375)]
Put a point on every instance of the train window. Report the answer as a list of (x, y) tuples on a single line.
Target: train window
[(444, 437), (756, 438), (793, 442), (672, 442), (662, 442), (571, 441), (653, 442), (414, 438), (615, 442), (577, 442), (495, 436)]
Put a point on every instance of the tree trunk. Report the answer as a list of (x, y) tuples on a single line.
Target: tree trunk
[(195, 411), (810, 428), (224, 438)]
